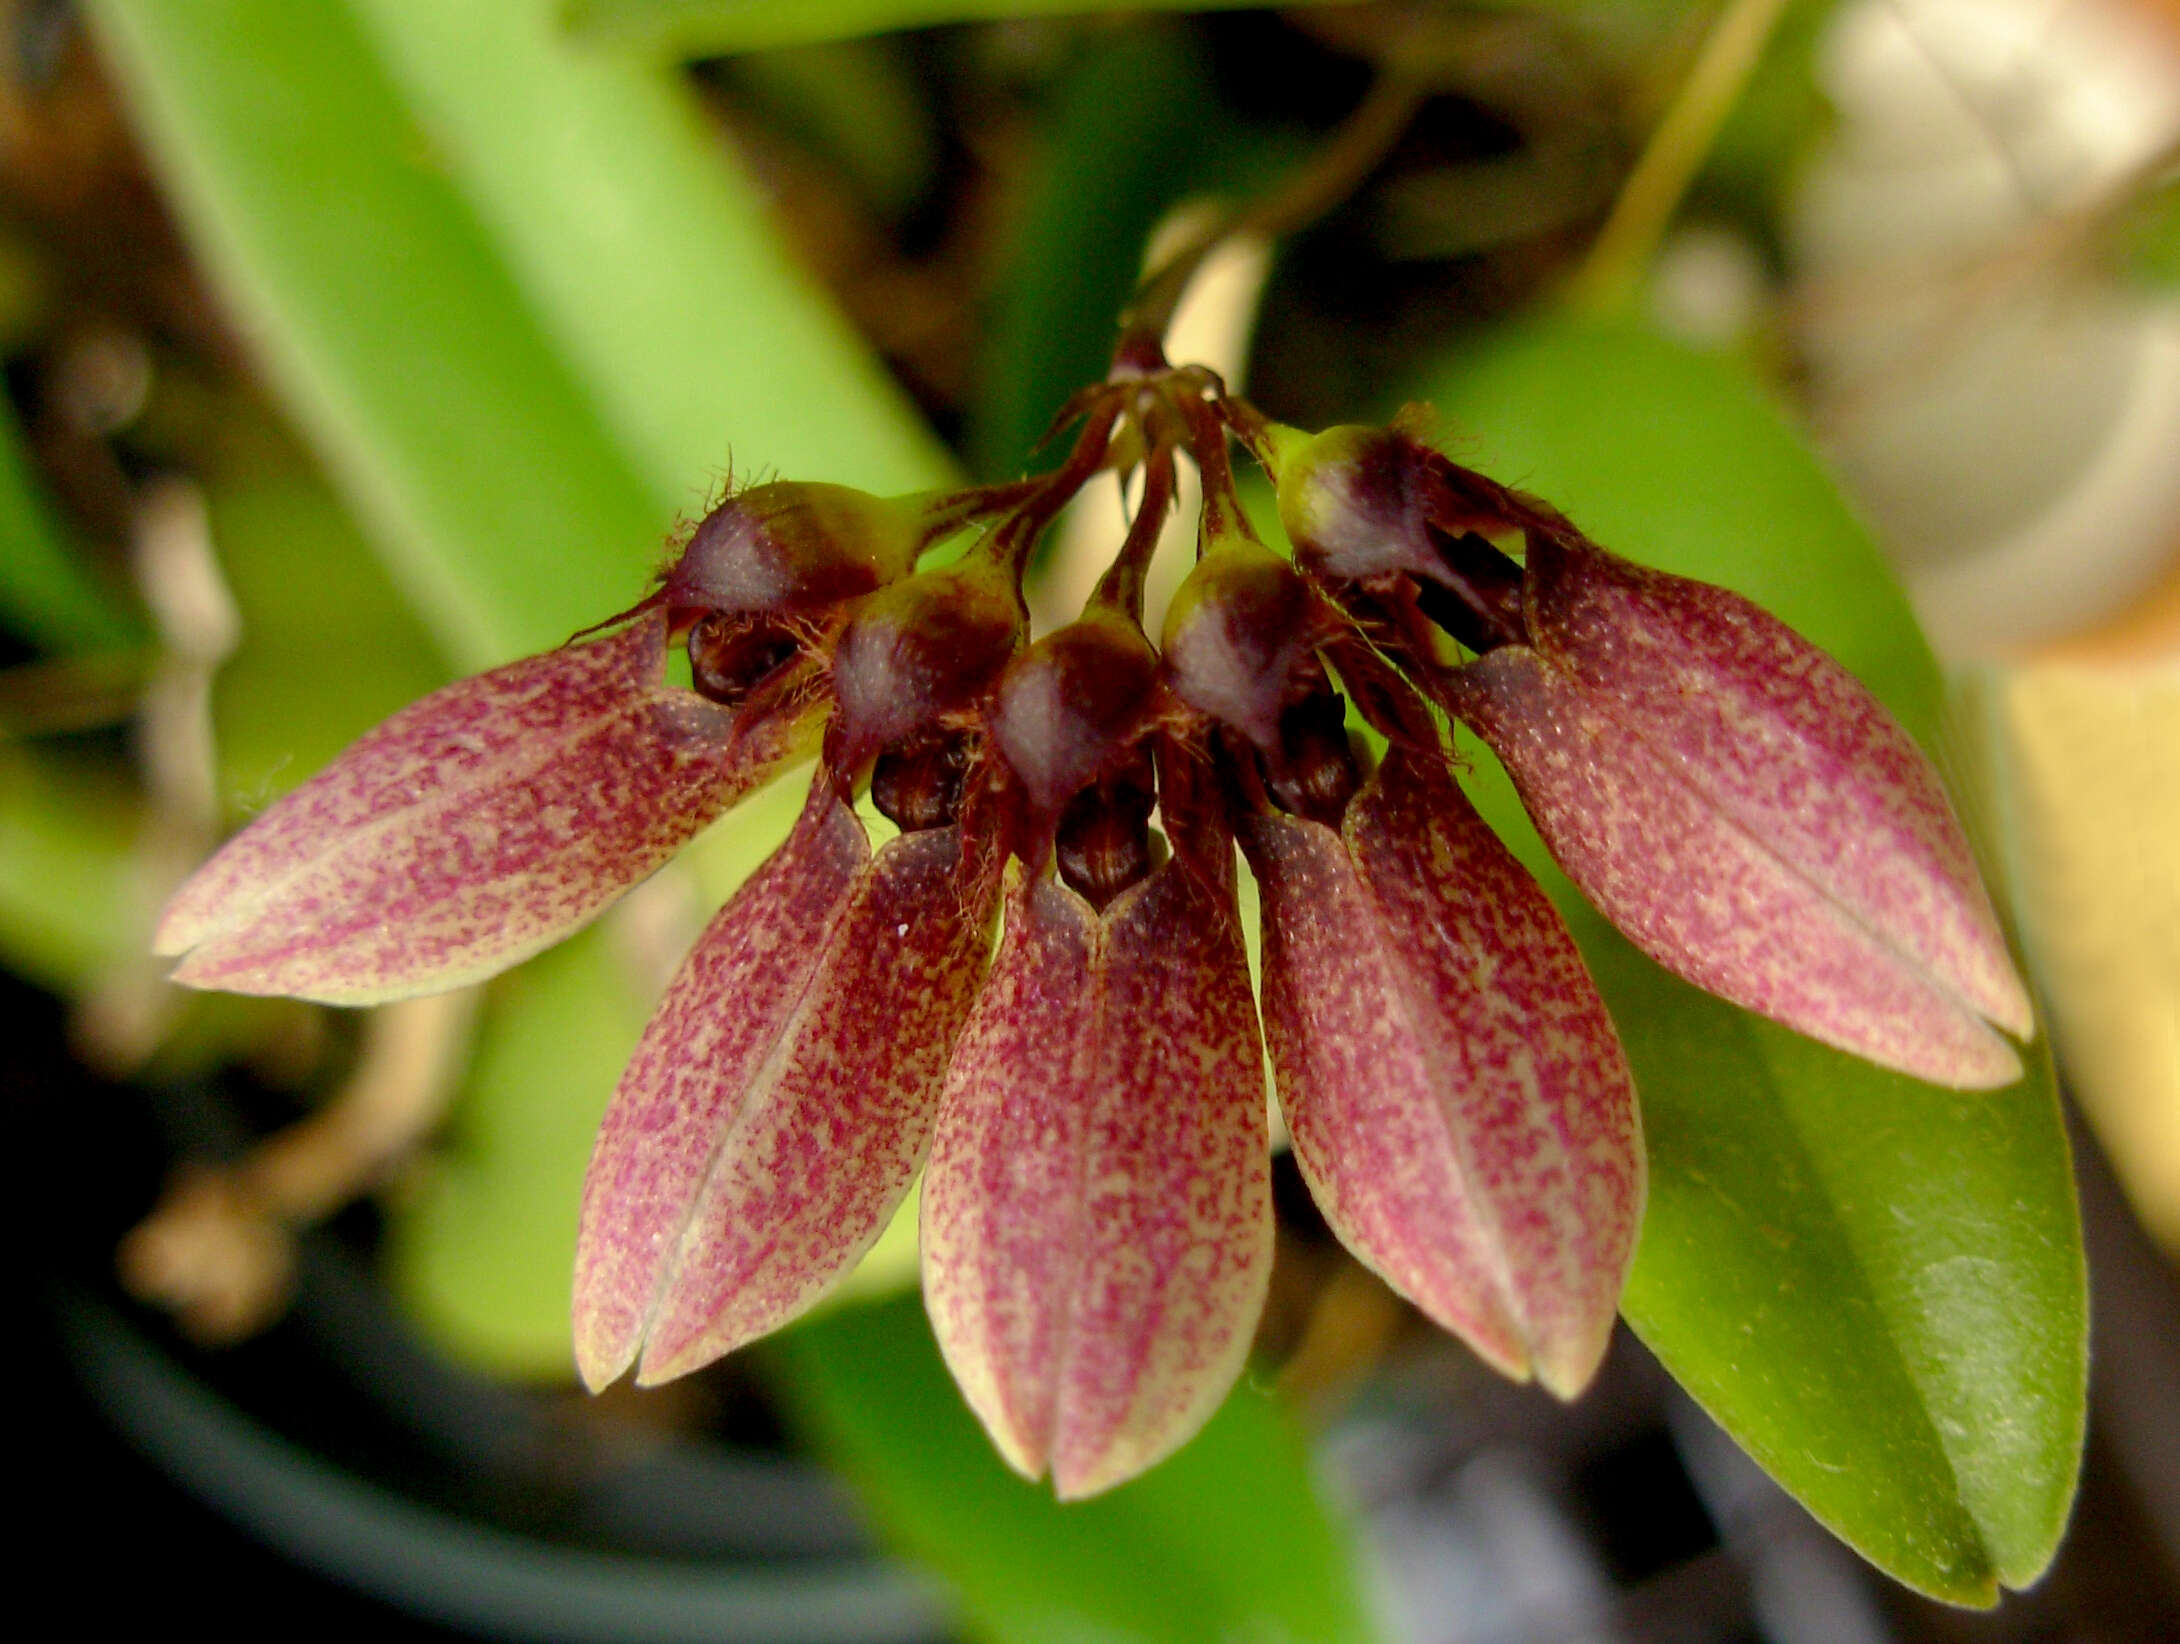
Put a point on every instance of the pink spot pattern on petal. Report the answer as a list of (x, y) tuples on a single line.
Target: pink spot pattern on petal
[(1708, 896), (721, 1017), (475, 827), (1788, 745), (1458, 1098), (1097, 1213), (824, 1140)]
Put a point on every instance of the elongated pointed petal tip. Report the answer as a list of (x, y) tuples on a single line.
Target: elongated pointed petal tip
[(180, 928), (1564, 1365), (1458, 1098), (1097, 1211), (1081, 1471), (1986, 1062), (779, 1104), (1827, 888), (602, 1356), (474, 828)]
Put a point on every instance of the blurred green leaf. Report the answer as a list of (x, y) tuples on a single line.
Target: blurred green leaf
[(326, 652), (716, 28), (1228, 1540), (68, 884), (483, 1254), (647, 255), (386, 316), (2150, 235), (47, 596), (1106, 172), (1135, 128), (860, 103), (1874, 1285), (1778, 115), (525, 316)]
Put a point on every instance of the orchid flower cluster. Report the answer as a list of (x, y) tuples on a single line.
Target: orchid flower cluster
[(1036, 991)]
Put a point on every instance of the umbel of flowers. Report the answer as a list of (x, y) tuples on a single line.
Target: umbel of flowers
[(1035, 991)]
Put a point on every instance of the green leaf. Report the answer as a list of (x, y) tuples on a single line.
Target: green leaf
[(1134, 128), (715, 28), (2149, 234), (1779, 113), (387, 319), (68, 880), (47, 595), (647, 255), (859, 104), (1228, 1540), (525, 316), (1874, 1285), (323, 656), (485, 1253)]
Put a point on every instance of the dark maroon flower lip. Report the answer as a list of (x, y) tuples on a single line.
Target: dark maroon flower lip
[(1032, 988)]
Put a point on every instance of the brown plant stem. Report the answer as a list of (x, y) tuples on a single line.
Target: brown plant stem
[(218, 1249)]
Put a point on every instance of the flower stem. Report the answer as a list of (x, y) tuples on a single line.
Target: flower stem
[(1011, 544), (1122, 585), (948, 512), (1223, 515), (1624, 246)]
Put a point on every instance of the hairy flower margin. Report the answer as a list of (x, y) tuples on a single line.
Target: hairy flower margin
[(1084, 1094)]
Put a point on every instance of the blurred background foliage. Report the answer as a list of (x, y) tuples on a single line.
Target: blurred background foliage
[(355, 344)]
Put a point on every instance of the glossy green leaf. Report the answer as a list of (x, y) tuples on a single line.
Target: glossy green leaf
[(47, 595), (716, 28), (1229, 1539), (1876, 1286)]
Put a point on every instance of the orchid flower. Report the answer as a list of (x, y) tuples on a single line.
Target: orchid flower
[(1034, 990)]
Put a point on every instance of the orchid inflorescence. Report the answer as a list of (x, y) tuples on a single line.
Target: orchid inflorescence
[(1085, 1096)]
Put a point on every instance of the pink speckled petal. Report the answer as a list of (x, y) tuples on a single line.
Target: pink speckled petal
[(778, 1106), (720, 1019), (1458, 1098), (1097, 1213), (1791, 747), (475, 827), (1639, 827), (818, 1146)]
